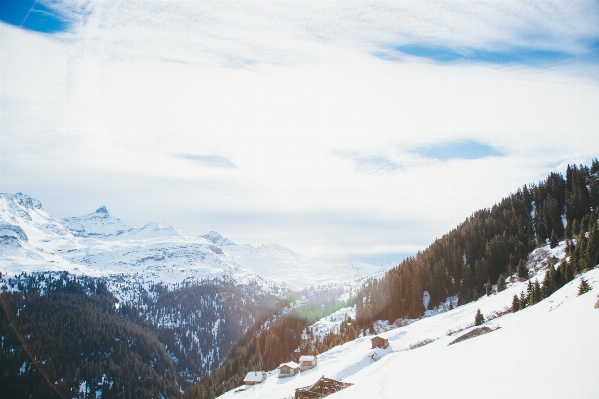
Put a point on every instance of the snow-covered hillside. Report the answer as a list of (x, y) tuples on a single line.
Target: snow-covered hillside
[(547, 350)]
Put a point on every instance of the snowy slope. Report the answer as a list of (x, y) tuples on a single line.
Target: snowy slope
[(547, 350), (281, 264)]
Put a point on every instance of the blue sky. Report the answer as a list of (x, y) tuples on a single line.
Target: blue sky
[(32, 15), (343, 130)]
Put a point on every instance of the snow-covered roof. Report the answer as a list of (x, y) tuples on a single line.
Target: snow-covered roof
[(291, 365), (254, 376), (307, 358)]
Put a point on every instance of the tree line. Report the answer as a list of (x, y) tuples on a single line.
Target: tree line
[(491, 244)]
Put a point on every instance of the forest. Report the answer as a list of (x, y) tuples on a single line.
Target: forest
[(59, 329), (490, 245)]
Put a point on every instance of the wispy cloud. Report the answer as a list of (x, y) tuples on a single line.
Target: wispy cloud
[(458, 150), (213, 161), (408, 157), (375, 164), (239, 34), (526, 56)]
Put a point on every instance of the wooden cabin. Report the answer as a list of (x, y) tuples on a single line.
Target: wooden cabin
[(288, 369), (378, 342), (307, 362), (255, 377)]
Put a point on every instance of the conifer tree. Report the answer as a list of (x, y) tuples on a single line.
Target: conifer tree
[(568, 233), (568, 272), (479, 318), (489, 287), (523, 300), (501, 283), (515, 304), (475, 294), (535, 296), (583, 287), (522, 269), (592, 249), (575, 228), (553, 241), (550, 282)]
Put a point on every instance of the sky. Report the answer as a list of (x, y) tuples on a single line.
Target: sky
[(342, 130)]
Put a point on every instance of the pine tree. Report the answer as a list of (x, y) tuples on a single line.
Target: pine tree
[(553, 241), (489, 287), (535, 296), (523, 300), (522, 269), (550, 282), (479, 318), (592, 250), (575, 228), (583, 287), (568, 233), (515, 304), (475, 294), (501, 283)]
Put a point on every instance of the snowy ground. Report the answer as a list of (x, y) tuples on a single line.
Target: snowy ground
[(549, 350)]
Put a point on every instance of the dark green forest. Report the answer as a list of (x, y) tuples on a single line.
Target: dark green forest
[(59, 330), (73, 333)]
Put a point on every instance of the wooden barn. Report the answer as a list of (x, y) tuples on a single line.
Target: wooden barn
[(321, 388), (378, 342), (255, 377), (307, 362), (288, 369)]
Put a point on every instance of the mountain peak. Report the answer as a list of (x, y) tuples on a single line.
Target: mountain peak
[(217, 239), (102, 209), (23, 200)]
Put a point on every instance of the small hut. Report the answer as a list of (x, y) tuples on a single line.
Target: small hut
[(288, 369), (321, 388), (378, 342), (255, 377), (307, 362)]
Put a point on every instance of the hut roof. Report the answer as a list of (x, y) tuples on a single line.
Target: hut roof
[(291, 365), (307, 358), (254, 376)]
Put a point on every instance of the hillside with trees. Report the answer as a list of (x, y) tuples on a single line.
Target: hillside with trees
[(68, 336), (490, 245)]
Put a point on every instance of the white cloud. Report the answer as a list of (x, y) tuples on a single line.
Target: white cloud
[(321, 132)]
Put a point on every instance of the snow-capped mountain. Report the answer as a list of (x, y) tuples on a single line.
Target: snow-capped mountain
[(546, 350), (101, 224), (100, 244), (281, 264)]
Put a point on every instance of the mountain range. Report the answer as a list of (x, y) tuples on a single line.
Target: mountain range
[(100, 244)]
